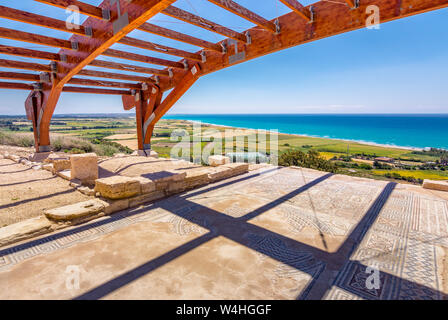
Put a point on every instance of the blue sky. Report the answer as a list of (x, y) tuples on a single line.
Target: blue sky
[(401, 68)]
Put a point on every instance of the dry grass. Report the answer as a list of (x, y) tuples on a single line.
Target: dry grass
[(60, 142)]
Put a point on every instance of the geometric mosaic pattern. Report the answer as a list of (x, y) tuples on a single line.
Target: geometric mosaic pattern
[(404, 234)]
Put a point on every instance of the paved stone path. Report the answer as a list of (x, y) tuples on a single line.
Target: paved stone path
[(270, 234)]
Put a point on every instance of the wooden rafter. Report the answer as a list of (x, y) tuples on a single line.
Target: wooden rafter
[(110, 75), (239, 10), (330, 19), (24, 65), (127, 67), (84, 8), (96, 91), (160, 48), (171, 34), (29, 53), (19, 76), (16, 86), (34, 38), (298, 8), (188, 79), (97, 13), (141, 58), (188, 17), (101, 83), (104, 28), (39, 20), (138, 11)]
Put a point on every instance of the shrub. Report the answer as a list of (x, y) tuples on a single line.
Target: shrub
[(312, 160)]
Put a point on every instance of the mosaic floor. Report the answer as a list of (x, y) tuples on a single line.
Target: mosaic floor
[(271, 234)]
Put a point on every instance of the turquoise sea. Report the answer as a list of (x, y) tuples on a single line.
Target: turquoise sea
[(422, 130)]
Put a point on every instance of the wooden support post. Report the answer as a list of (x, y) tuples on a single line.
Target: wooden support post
[(162, 108), (145, 102), (39, 112)]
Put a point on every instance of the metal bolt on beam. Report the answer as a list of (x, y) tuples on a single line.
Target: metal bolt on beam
[(44, 77), (278, 29), (248, 38), (37, 87), (54, 67), (312, 14), (75, 45), (224, 47), (89, 31), (106, 14)]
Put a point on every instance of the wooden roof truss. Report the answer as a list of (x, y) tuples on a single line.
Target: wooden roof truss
[(113, 20)]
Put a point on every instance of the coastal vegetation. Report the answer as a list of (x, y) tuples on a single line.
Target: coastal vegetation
[(108, 135)]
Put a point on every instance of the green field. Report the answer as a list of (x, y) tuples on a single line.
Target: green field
[(419, 174), (73, 134)]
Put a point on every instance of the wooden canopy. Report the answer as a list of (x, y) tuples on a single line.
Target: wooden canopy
[(113, 20)]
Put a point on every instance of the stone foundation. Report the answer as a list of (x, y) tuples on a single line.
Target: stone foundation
[(435, 185), (215, 161), (117, 187), (84, 167)]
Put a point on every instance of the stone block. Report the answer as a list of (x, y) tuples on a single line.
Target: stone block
[(196, 178), (146, 185), (84, 167), (163, 179), (51, 157), (24, 230), (435, 185), (176, 187), (219, 173), (39, 156), (237, 168), (146, 153), (76, 211), (61, 165), (215, 161), (14, 158), (146, 198), (87, 191), (113, 206), (75, 183), (65, 174), (117, 187), (48, 167)]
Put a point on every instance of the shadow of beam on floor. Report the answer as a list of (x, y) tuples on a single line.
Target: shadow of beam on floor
[(218, 224), (28, 181), (18, 171), (132, 275), (18, 203), (117, 216)]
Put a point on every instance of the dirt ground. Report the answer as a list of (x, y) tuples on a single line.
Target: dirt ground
[(25, 192)]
